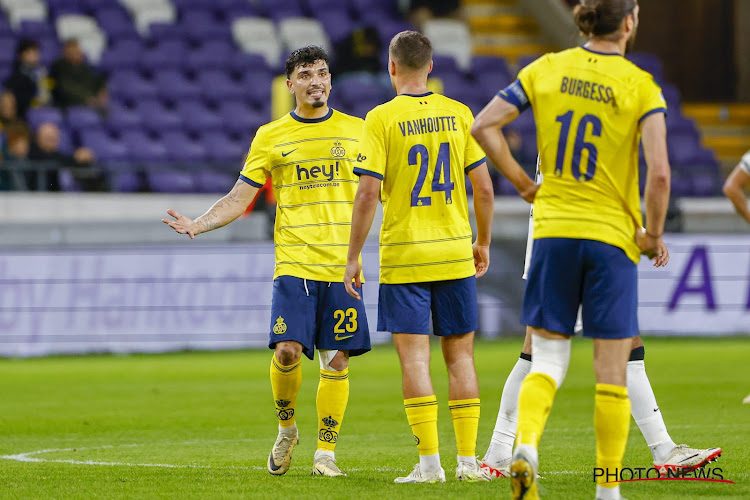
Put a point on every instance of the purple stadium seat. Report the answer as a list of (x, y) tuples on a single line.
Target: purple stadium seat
[(168, 54), (170, 181), (83, 118), (197, 118), (211, 181), (317, 7), (353, 90), (116, 23), (162, 32), (456, 86), (682, 184), (528, 147), (370, 11), (182, 149), (172, 85), (482, 65), (672, 96), (211, 55), (202, 25), (221, 148), (143, 149), (66, 142), (683, 148), (443, 65), (129, 84), (217, 86), (388, 28), (156, 117), (122, 119), (5, 27), (243, 63), (105, 148), (38, 116), (124, 54), (257, 84), (50, 49), (524, 124), (281, 9), (336, 23), (7, 51), (36, 30), (241, 119)]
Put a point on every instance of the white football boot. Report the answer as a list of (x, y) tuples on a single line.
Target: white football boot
[(281, 455), (416, 476), (683, 458), (471, 472), (326, 466)]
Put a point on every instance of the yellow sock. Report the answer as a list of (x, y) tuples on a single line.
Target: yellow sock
[(611, 425), (285, 383), (422, 415), (465, 415), (333, 395), (534, 404)]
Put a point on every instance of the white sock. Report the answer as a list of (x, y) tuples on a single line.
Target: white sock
[(504, 435), (291, 430), (645, 411), (429, 463), (603, 493), (550, 357), (324, 453), (466, 460)]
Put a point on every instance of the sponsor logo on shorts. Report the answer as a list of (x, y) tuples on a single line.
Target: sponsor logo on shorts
[(280, 327)]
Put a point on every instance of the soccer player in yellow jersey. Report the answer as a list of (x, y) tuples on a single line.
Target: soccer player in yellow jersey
[(309, 155), (591, 107), (416, 152)]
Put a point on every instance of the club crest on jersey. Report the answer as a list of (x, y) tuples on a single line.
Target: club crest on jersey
[(337, 151), (280, 327)]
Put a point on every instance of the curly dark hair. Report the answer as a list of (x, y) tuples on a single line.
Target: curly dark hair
[(305, 56)]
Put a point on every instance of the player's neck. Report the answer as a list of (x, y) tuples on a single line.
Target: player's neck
[(606, 46), (413, 87), (311, 113)]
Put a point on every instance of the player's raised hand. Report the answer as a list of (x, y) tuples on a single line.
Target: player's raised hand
[(353, 273), (181, 224), (481, 258)]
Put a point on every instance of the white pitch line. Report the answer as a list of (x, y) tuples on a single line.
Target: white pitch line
[(31, 457)]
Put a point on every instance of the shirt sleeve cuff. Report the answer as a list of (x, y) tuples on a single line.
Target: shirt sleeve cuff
[(362, 171), (474, 165), (250, 181), (649, 113)]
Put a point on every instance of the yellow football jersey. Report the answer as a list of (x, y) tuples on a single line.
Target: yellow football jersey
[(588, 107), (310, 164), (421, 147)]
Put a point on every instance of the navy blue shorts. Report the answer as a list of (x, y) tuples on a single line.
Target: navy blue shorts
[(318, 315), (406, 308), (566, 272)]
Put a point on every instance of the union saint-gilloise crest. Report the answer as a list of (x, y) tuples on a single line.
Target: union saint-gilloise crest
[(338, 151), (330, 421), (280, 327)]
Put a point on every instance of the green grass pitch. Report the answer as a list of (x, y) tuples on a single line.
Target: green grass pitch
[(202, 424)]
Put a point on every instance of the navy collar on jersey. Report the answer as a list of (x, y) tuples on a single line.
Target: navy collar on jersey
[(418, 95), (601, 53), (312, 120)]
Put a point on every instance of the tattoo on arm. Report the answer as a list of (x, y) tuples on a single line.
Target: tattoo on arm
[(216, 216)]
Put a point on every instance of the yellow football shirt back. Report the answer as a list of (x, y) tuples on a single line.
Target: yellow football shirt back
[(310, 163), (588, 107), (421, 147)]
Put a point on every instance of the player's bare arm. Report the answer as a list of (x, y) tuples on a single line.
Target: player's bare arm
[(484, 207), (363, 213), (486, 130), (658, 179), (733, 189), (221, 213)]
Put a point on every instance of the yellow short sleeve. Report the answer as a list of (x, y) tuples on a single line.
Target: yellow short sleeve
[(256, 171), (371, 159), (652, 99)]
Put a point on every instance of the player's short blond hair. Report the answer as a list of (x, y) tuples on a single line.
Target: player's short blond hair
[(411, 49)]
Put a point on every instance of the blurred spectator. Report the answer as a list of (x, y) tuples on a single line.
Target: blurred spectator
[(424, 10), (76, 83), (358, 53), (46, 148), (16, 148), (8, 110), (28, 81)]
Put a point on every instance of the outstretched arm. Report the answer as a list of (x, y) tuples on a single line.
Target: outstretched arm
[(486, 130), (363, 213), (737, 180), (221, 213)]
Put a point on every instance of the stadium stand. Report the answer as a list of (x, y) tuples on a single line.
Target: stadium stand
[(189, 81)]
